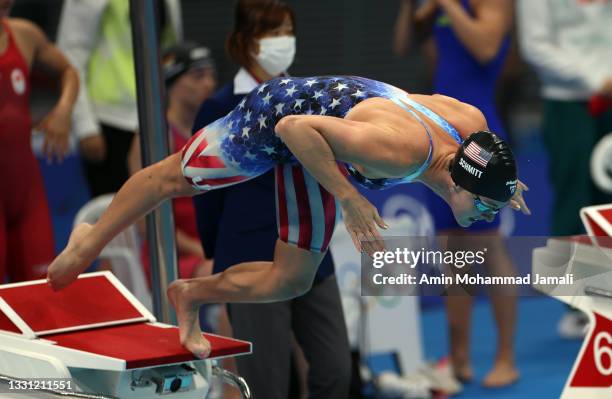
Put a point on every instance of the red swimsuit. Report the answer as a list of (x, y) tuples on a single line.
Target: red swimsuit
[(26, 234), (184, 220)]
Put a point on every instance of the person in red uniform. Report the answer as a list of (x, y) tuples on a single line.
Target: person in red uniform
[(26, 235), (189, 73)]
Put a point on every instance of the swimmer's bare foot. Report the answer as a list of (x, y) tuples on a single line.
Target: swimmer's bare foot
[(502, 374), (73, 260), (188, 319)]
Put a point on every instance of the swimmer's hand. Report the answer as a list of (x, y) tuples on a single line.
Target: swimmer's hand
[(56, 128), (518, 202), (361, 219)]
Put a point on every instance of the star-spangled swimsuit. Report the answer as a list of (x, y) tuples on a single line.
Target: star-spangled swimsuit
[(242, 145)]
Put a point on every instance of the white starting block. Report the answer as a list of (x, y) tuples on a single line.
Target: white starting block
[(102, 340), (589, 259)]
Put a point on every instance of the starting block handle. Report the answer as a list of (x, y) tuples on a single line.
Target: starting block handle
[(598, 292), (234, 380)]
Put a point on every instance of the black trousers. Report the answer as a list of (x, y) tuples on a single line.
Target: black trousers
[(108, 175), (317, 321)]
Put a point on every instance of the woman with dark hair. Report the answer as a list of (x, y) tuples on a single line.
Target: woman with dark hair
[(262, 43)]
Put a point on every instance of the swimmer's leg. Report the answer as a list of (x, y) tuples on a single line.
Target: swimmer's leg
[(199, 167), (289, 275), (142, 193), (306, 216)]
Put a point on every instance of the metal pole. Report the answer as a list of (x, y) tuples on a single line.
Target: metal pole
[(154, 147)]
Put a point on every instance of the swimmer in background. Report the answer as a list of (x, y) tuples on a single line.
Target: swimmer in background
[(26, 232), (472, 41)]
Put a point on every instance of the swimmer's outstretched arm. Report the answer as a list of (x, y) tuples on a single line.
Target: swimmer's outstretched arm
[(319, 142), (142, 193)]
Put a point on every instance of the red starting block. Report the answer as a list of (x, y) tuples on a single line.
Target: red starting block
[(98, 335)]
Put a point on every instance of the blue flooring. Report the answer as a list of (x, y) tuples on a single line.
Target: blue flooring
[(544, 359), (67, 192)]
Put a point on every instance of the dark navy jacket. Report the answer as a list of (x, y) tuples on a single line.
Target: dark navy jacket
[(238, 223)]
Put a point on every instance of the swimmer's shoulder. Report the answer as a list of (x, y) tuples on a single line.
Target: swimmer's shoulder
[(26, 30), (472, 119), (465, 117), (28, 35)]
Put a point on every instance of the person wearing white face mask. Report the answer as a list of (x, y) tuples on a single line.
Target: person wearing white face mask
[(264, 45), (276, 54)]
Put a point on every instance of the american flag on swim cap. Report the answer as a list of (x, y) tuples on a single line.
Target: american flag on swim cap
[(477, 154)]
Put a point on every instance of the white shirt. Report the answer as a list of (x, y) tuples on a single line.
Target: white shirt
[(78, 33), (569, 43), (244, 82)]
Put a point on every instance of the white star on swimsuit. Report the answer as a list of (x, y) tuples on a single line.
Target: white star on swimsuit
[(262, 121), (341, 86), (290, 91), (298, 104), (261, 88), (234, 163), (267, 98), (334, 103), (279, 108)]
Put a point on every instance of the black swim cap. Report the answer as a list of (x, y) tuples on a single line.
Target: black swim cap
[(184, 57), (484, 165)]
